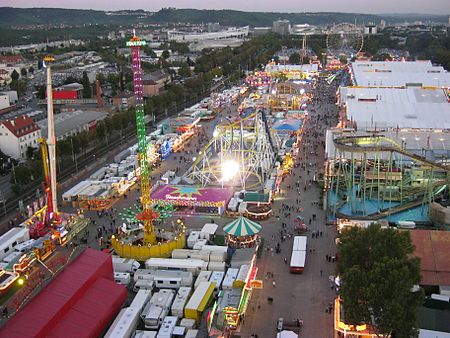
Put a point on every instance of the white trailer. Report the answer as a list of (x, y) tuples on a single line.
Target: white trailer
[(144, 284), (143, 274), (172, 279), (145, 334), (194, 236), (180, 301), (25, 246), (217, 256), (200, 244), (208, 231), (186, 253), (216, 266), (125, 324), (167, 327), (157, 308), (125, 264), (202, 277), (217, 278), (229, 278), (141, 299), (188, 323), (212, 248), (192, 334), (122, 278), (191, 265), (9, 240)]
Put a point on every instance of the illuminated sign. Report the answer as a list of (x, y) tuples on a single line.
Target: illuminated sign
[(180, 198), (136, 43)]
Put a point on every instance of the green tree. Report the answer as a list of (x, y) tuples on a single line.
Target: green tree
[(294, 58), (31, 70), (30, 153), (165, 54), (21, 175), (41, 91), (378, 271), (184, 70), (19, 86), (14, 75), (87, 92), (23, 72), (100, 77)]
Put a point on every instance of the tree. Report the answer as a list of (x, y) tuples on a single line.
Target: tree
[(377, 272), (294, 58), (165, 54), (31, 70), (87, 93), (21, 175), (14, 75), (23, 72), (184, 70), (19, 86), (30, 153)]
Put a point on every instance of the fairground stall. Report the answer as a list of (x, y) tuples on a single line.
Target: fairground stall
[(242, 233), (188, 200)]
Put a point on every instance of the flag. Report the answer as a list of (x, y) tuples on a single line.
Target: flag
[(429, 141), (371, 120)]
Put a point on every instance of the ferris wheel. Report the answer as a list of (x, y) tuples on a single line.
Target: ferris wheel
[(344, 39)]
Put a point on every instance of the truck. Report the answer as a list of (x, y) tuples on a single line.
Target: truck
[(157, 308), (199, 300), (128, 265)]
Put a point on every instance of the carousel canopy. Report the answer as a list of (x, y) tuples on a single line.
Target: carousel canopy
[(242, 227)]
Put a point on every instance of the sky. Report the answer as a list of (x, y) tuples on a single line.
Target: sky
[(352, 6)]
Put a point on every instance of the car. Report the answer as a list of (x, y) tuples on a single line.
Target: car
[(280, 324)]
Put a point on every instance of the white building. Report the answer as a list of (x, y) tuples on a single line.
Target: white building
[(399, 74), (17, 135), (4, 101), (233, 32), (12, 94), (282, 27), (395, 108)]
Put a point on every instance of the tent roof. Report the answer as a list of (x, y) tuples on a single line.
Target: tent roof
[(288, 124), (242, 227)]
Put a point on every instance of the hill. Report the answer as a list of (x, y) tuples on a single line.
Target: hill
[(41, 16)]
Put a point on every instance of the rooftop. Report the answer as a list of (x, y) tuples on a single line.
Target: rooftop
[(409, 107), (399, 73), (432, 248), (66, 122), (21, 126)]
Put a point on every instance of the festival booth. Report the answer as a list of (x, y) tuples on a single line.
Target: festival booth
[(242, 233), (188, 200), (257, 206)]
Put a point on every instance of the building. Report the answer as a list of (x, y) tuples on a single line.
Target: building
[(73, 123), (11, 60), (70, 91), (282, 27), (5, 78), (261, 30), (4, 101), (17, 135), (233, 32), (395, 108), (370, 29), (153, 82), (399, 74), (124, 100), (12, 94), (302, 29)]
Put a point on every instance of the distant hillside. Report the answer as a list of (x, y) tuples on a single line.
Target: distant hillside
[(26, 16)]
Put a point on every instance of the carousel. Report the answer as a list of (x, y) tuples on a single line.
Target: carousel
[(242, 233)]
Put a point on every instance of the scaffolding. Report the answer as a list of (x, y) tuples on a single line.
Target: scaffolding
[(376, 177)]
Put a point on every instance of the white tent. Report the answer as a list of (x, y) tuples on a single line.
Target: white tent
[(287, 334)]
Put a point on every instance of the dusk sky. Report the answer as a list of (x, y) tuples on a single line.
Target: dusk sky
[(354, 6)]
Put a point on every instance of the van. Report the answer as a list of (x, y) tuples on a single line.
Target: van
[(122, 278)]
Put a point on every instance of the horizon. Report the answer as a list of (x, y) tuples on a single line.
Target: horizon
[(377, 7)]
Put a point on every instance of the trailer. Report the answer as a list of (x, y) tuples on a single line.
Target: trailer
[(212, 248), (191, 265), (217, 256), (172, 279), (13, 237), (157, 308), (199, 300), (180, 301), (192, 334), (167, 327), (217, 278), (194, 236), (229, 278), (186, 253), (204, 276), (216, 266), (187, 323), (125, 323), (122, 278), (144, 284), (143, 274), (128, 265), (208, 231), (145, 334), (141, 299), (242, 276)]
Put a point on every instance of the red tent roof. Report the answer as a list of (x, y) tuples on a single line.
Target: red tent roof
[(80, 302)]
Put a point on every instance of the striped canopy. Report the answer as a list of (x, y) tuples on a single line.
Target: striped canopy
[(242, 227)]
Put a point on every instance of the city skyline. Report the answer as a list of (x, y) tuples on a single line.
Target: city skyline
[(353, 6)]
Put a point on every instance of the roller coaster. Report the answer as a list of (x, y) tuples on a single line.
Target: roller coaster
[(246, 141), (365, 172)]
